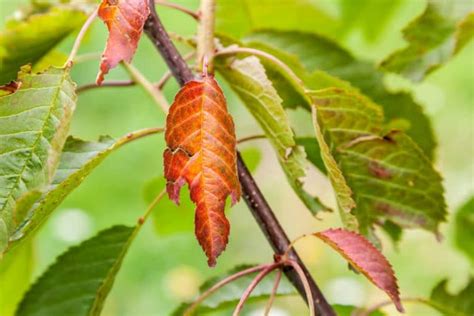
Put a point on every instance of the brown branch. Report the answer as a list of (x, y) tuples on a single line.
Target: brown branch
[(254, 198)]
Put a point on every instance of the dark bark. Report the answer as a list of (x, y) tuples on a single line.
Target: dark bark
[(252, 195)]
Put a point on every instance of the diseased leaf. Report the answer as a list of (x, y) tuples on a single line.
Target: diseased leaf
[(365, 258), (248, 79), (388, 174), (125, 20), (464, 229), (79, 281), (78, 160), (431, 42), (460, 304), (202, 152), (34, 122), (228, 296), (28, 41), (324, 62)]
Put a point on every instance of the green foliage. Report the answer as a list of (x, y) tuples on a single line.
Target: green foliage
[(431, 41), (248, 79), (318, 55), (465, 228), (28, 41), (390, 177), (34, 123), (79, 281), (460, 304)]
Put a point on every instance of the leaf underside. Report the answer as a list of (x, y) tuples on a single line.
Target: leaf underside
[(202, 152), (34, 122), (124, 20), (364, 257), (79, 281)]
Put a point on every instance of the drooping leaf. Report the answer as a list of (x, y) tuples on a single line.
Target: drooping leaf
[(16, 271), (34, 122), (324, 60), (28, 41), (389, 176), (125, 20), (464, 228), (202, 152), (365, 258), (79, 281), (460, 304), (170, 218), (229, 296), (431, 42), (248, 79), (78, 160)]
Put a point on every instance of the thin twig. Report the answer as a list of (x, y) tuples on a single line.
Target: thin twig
[(79, 38), (305, 281), (164, 79), (233, 50), (259, 277), (150, 208), (90, 86), (178, 7), (249, 138), (268, 307), (190, 310), (370, 310), (137, 135), (205, 36), (139, 78)]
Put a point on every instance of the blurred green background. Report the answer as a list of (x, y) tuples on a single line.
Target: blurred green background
[(162, 270)]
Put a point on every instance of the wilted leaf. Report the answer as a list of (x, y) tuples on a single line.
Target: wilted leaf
[(28, 41), (460, 304), (431, 42), (125, 20), (248, 79), (228, 296), (201, 151), (318, 55), (79, 281), (34, 122), (464, 229), (365, 258), (390, 177)]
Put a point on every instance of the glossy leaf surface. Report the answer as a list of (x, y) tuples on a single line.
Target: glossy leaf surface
[(125, 20), (202, 152)]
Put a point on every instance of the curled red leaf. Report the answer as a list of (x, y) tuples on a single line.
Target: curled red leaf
[(125, 20), (202, 152), (365, 258)]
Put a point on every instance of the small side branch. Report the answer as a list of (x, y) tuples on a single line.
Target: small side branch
[(178, 7)]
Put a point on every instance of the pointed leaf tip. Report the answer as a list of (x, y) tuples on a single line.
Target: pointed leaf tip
[(202, 152), (365, 258), (124, 20)]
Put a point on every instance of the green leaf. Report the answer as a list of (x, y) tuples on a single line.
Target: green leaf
[(390, 177), (465, 32), (248, 79), (34, 122), (313, 151), (78, 160), (229, 295), (16, 270), (239, 17), (460, 304), (28, 41), (79, 281), (169, 218), (324, 62), (431, 42), (347, 310), (464, 228)]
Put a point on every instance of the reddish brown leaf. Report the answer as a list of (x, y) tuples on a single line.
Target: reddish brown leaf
[(365, 258), (125, 20), (9, 88), (201, 151)]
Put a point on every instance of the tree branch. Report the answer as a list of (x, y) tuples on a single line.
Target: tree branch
[(251, 192)]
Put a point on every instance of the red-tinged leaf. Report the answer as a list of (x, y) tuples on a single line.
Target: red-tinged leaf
[(201, 151), (125, 20), (9, 88), (365, 258)]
